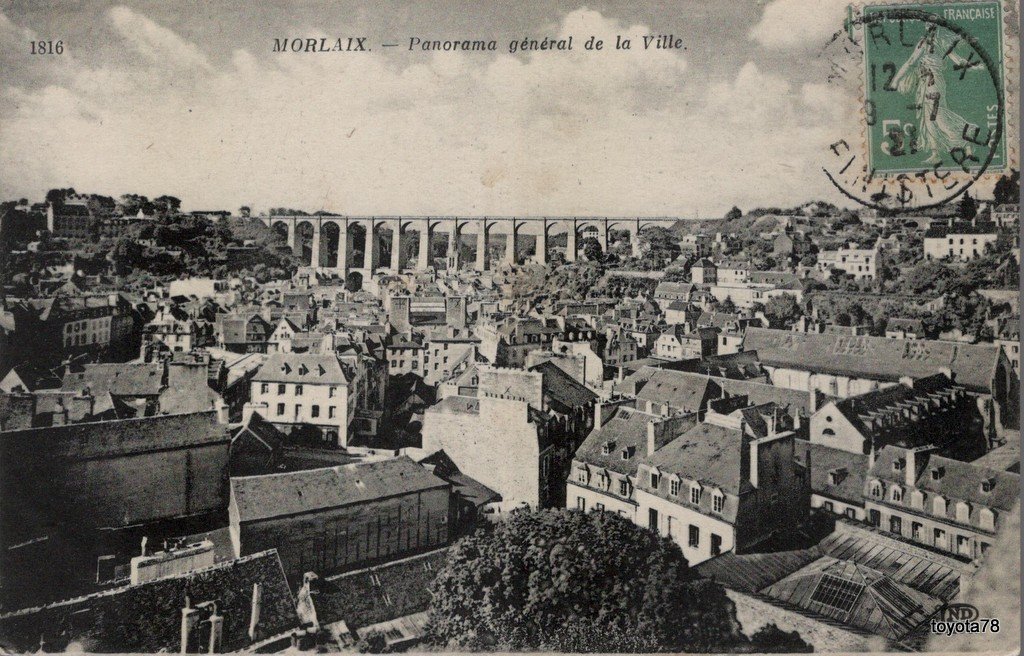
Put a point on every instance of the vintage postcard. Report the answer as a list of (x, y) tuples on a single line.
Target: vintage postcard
[(541, 326)]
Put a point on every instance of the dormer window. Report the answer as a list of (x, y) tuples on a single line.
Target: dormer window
[(655, 479), (896, 494), (717, 502), (988, 484), (938, 473), (939, 506), (607, 447), (963, 512), (627, 453), (836, 476), (898, 464), (303, 370), (695, 495), (673, 487), (876, 490), (320, 369)]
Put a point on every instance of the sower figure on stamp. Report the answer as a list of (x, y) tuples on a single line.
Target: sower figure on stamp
[(939, 129)]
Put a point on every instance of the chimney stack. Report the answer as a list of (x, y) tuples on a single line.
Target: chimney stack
[(254, 614), (188, 623), (216, 629), (652, 442), (399, 314)]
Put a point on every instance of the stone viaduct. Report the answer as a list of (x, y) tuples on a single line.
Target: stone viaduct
[(325, 230)]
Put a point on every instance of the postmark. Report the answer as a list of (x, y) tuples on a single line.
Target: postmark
[(930, 78)]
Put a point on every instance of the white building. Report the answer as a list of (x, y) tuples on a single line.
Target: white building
[(305, 392), (861, 263), (963, 241)]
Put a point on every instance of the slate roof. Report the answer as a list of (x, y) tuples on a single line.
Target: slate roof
[(146, 618), (625, 431), (707, 453), (850, 469), (562, 390), (378, 594), (960, 481), (682, 391), (878, 358), (941, 231), (120, 379), (309, 368), (274, 495)]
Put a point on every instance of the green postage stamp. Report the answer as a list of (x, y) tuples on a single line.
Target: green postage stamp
[(934, 87)]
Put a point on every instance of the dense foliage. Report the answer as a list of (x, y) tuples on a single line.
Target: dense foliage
[(561, 580)]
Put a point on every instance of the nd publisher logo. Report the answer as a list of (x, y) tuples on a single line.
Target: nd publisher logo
[(959, 613)]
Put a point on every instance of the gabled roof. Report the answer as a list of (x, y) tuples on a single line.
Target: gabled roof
[(959, 481), (707, 453), (274, 495), (835, 473), (561, 389), (309, 368), (876, 358), (682, 391), (625, 432)]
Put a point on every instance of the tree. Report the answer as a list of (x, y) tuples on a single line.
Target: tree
[(727, 305), (167, 204), (245, 211), (1007, 189), (733, 214), (562, 580), (967, 208), (58, 196), (782, 310), (592, 249)]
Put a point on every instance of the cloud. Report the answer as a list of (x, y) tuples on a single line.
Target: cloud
[(799, 24), (610, 132)]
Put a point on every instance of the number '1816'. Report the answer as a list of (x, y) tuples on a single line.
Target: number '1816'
[(47, 48)]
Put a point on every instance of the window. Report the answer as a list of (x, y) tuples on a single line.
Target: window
[(695, 495), (718, 503), (655, 480), (280, 409), (851, 513), (581, 476), (716, 544), (652, 519), (896, 525), (673, 487), (897, 494), (581, 503), (330, 412), (265, 388), (828, 506), (987, 519), (624, 488), (599, 507), (963, 545), (874, 517), (694, 537), (876, 490), (298, 410), (915, 530), (940, 538), (331, 391), (298, 390), (281, 388), (315, 410)]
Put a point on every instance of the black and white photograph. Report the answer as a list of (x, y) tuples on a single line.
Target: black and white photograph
[(457, 326)]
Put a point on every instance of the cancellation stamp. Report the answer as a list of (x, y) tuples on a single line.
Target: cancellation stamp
[(932, 82)]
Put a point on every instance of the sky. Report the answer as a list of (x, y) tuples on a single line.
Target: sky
[(189, 99)]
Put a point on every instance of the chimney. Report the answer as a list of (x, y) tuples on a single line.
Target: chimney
[(399, 314), (189, 617), (254, 613), (455, 311), (222, 411), (910, 470), (216, 630), (907, 381), (652, 441)]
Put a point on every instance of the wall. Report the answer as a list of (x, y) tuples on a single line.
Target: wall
[(352, 536), (507, 461), (591, 498), (838, 507), (845, 436), (674, 521), (312, 395), (753, 613)]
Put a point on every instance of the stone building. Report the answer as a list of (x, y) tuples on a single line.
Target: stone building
[(305, 394), (337, 518), (949, 505)]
